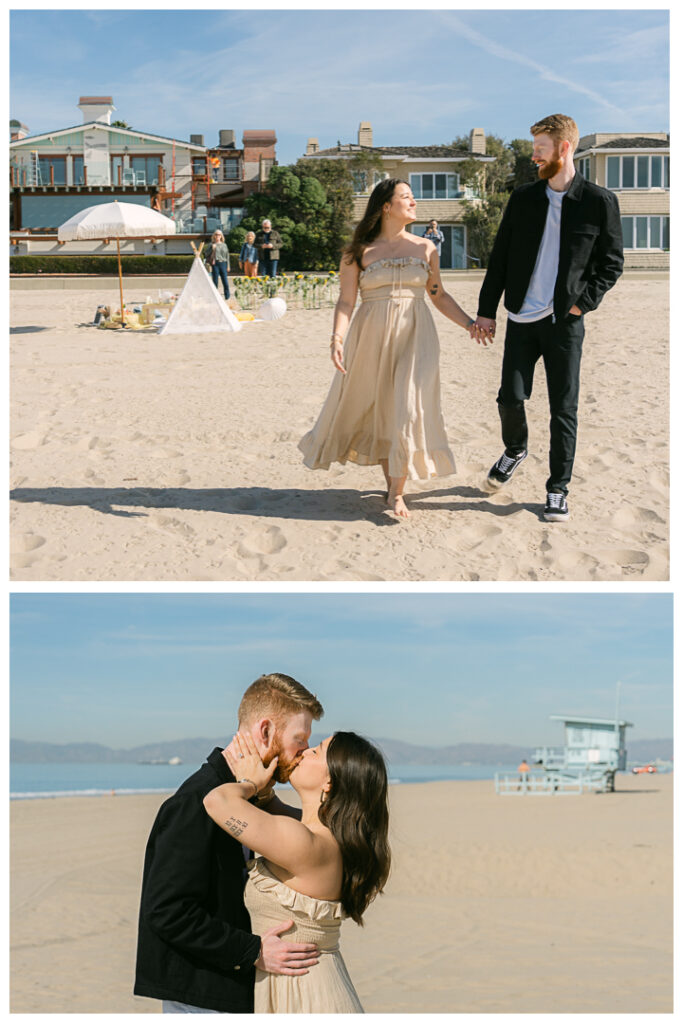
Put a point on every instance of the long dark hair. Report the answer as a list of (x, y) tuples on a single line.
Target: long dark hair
[(357, 815), (370, 226)]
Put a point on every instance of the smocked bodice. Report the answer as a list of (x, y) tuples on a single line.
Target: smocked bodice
[(397, 277), (269, 902)]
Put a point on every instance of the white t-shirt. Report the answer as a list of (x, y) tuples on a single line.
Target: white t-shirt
[(538, 301)]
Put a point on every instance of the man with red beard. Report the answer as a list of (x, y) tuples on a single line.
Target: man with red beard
[(196, 951), (558, 250)]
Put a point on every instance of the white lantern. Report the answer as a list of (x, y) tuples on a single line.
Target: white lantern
[(272, 309)]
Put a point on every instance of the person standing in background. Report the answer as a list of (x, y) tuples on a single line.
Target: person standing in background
[(269, 243)]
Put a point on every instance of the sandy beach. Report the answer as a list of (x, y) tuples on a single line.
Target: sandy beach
[(495, 904), (139, 457)]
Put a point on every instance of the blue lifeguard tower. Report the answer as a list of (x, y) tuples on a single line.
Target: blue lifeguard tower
[(594, 749)]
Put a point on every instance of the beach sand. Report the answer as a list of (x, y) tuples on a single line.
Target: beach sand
[(139, 457), (495, 904)]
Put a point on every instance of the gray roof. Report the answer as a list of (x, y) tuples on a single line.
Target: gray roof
[(415, 151), (641, 142)]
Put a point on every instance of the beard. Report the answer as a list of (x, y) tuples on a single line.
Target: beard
[(285, 766), (551, 167)]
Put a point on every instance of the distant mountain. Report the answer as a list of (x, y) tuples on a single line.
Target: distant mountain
[(194, 751)]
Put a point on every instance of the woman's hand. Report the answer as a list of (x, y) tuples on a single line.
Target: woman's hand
[(245, 762), (337, 354)]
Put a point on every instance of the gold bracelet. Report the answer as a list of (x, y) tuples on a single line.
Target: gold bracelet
[(252, 783), (336, 337)]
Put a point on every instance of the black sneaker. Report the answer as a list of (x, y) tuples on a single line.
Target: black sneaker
[(556, 509), (502, 470)]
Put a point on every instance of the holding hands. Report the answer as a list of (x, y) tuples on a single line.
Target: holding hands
[(484, 330), (245, 762)]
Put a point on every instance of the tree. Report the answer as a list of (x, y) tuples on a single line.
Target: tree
[(523, 169), (120, 124), (311, 205)]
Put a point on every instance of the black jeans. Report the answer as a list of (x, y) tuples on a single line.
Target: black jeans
[(559, 344)]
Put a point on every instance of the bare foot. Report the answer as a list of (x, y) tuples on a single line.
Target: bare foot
[(398, 506)]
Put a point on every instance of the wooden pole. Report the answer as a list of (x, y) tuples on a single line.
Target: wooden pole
[(118, 252)]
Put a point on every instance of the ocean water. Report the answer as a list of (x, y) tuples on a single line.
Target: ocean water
[(35, 781)]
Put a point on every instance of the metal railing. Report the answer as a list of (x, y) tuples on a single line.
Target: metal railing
[(549, 784)]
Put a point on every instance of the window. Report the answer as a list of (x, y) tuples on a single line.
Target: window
[(644, 171), (361, 180), (230, 168), (78, 172), (117, 170), (199, 165), (149, 167), (435, 186), (585, 167), (645, 232), (52, 170)]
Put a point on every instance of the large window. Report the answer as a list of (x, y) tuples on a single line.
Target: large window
[(645, 232), (644, 171), (52, 170), (146, 169), (435, 186), (199, 165)]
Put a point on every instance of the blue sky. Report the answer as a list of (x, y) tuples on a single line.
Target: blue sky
[(430, 668), (419, 77)]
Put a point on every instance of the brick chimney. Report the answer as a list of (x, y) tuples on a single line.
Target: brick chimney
[(312, 146), (478, 141), (365, 134), (17, 131), (96, 108)]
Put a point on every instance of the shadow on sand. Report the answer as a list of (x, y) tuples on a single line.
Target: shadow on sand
[(288, 503)]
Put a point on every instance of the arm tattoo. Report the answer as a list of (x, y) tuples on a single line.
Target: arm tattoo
[(235, 827), (434, 289)]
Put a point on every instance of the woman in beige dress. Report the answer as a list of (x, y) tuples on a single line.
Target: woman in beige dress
[(384, 406), (317, 871)]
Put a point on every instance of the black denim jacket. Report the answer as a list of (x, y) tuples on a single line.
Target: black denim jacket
[(194, 941), (591, 248)]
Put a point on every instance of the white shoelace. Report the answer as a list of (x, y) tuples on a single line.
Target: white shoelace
[(504, 463), (555, 500)]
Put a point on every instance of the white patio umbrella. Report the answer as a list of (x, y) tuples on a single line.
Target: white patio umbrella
[(116, 220)]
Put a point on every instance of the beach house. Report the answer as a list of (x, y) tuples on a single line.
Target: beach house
[(55, 174), (432, 173), (636, 166)]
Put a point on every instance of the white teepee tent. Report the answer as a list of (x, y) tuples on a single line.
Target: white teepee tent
[(200, 308)]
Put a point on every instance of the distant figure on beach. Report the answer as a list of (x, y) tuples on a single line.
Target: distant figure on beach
[(384, 405), (249, 256), (204, 940), (435, 235), (523, 770), (329, 865), (218, 259), (269, 244), (557, 251)]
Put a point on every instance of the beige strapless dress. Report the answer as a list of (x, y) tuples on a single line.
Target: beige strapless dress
[(388, 405), (327, 987)]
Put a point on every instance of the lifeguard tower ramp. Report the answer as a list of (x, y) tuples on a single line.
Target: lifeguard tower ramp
[(594, 751)]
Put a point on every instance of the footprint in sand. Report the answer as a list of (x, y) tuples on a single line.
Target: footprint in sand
[(92, 477), (174, 527), (25, 542), (627, 517), (627, 558), (164, 453), (263, 541), (28, 442)]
